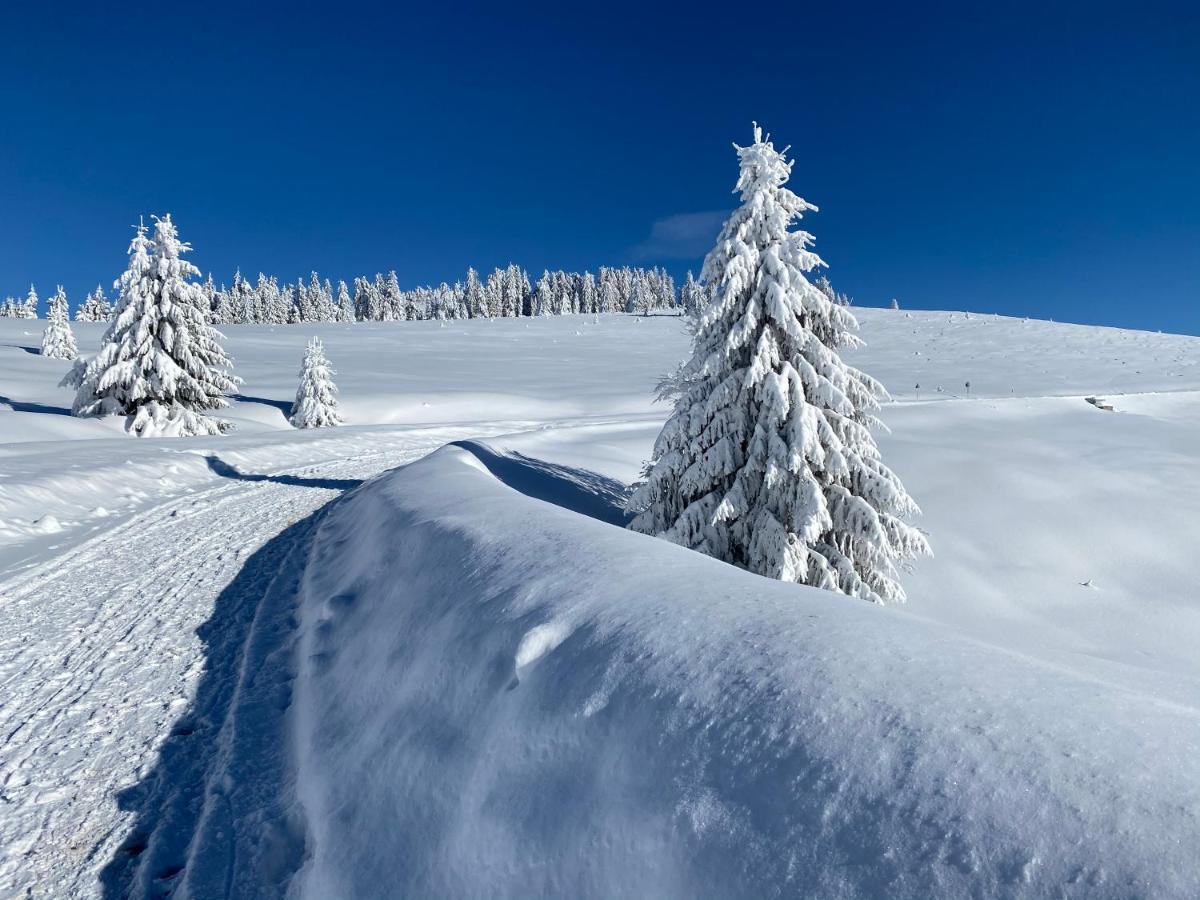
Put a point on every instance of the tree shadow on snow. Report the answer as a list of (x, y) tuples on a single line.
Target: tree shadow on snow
[(578, 490), (213, 811), (284, 406), (36, 351), (22, 406), (225, 470)]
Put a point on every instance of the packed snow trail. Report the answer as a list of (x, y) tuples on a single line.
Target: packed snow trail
[(100, 658)]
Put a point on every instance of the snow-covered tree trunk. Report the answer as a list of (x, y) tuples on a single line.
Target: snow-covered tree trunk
[(316, 403), (767, 461), (160, 363), (57, 340)]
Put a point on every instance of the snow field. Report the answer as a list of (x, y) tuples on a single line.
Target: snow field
[(528, 697)]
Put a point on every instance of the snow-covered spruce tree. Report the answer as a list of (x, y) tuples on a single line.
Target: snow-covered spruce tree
[(610, 292), (366, 302), (588, 298), (692, 297), (265, 300), (345, 306), (767, 461), (543, 295), (493, 294), (641, 297), (473, 295), (57, 340), (416, 303), (391, 298), (29, 309), (524, 291), (316, 397), (160, 363), (95, 308)]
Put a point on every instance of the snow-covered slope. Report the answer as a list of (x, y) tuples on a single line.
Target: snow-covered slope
[(1032, 707), (558, 369), (502, 697), (67, 477)]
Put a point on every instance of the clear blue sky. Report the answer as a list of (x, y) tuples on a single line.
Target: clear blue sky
[(1040, 160)]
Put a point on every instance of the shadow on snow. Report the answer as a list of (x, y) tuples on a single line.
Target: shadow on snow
[(579, 490), (214, 810), (225, 470), (23, 406), (284, 406)]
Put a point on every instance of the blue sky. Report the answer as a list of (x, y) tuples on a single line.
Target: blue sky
[(1038, 160)]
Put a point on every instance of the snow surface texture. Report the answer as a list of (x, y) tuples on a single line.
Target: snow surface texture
[(517, 700), (1032, 707)]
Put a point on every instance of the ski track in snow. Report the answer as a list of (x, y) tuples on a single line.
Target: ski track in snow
[(88, 698)]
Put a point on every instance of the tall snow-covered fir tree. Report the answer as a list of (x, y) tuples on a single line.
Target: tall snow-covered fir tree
[(767, 461), (57, 340), (316, 397), (160, 363)]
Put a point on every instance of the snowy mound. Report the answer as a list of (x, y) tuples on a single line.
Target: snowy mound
[(499, 696)]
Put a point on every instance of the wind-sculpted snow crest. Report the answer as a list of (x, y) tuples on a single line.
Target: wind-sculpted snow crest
[(498, 696)]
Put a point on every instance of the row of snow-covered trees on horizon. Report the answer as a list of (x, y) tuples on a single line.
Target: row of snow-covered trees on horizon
[(504, 293), (95, 308)]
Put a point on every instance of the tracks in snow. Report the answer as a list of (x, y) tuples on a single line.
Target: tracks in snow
[(99, 657)]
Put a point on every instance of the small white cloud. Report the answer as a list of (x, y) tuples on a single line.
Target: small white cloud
[(682, 235)]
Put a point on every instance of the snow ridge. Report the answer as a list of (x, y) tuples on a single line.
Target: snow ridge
[(697, 731)]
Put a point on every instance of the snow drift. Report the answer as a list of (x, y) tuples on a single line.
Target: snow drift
[(499, 696)]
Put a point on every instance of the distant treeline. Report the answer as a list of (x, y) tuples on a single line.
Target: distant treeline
[(505, 293)]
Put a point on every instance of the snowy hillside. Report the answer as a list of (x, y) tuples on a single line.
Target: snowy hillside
[(499, 692), (571, 709)]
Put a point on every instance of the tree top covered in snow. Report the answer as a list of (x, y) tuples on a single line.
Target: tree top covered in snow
[(767, 461)]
